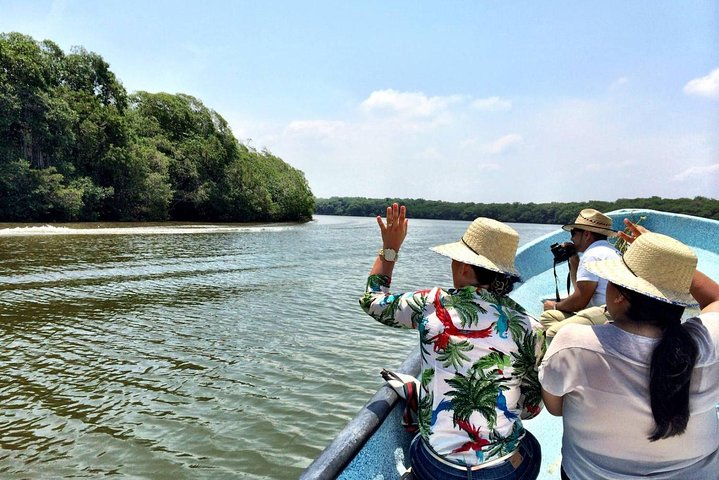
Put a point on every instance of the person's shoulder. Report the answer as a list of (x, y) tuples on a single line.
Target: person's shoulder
[(710, 317), (602, 250), (576, 330), (704, 329), (575, 335), (707, 322)]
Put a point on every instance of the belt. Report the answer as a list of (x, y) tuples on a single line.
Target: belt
[(515, 458)]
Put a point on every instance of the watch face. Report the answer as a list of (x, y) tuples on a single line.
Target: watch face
[(390, 255)]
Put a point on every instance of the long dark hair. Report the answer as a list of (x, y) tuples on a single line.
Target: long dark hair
[(672, 362), (499, 283)]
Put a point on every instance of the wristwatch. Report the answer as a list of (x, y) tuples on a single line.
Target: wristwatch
[(388, 254)]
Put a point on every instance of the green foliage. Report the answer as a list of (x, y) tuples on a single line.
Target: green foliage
[(75, 146), (417, 303), (454, 355), (425, 414), (427, 375), (463, 303), (524, 363), (503, 445), (477, 391), (555, 213), (495, 360)]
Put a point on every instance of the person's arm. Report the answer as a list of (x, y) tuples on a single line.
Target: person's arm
[(703, 289), (393, 235), (578, 300), (400, 310), (553, 403), (573, 267), (706, 292), (562, 370)]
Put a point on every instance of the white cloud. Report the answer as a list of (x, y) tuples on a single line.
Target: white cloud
[(604, 145), (618, 83), (430, 153), (315, 128), (492, 104), (502, 144), (707, 86), (600, 167), (489, 167), (411, 104), (697, 173)]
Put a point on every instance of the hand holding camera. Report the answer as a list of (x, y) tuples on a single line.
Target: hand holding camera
[(562, 251)]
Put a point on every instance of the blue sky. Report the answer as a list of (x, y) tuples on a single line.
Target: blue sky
[(481, 101)]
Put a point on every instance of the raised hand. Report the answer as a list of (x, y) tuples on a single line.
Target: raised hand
[(634, 229), (395, 230)]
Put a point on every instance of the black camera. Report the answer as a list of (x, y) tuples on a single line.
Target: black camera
[(562, 252)]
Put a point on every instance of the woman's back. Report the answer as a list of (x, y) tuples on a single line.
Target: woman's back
[(604, 377)]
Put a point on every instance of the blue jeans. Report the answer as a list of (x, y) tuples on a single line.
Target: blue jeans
[(426, 467)]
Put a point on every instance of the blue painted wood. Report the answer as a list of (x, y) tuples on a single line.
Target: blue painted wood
[(374, 445)]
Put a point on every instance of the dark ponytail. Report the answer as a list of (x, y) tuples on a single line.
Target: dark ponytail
[(672, 363), (499, 283)]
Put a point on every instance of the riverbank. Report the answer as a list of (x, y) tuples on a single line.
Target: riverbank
[(542, 213)]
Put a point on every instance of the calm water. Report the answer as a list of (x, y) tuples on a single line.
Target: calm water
[(165, 351)]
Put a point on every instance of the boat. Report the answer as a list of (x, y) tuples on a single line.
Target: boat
[(374, 445)]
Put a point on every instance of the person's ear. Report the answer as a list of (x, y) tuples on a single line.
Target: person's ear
[(467, 271), (619, 299), (586, 236)]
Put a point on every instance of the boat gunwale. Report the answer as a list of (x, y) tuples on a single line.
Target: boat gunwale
[(353, 437)]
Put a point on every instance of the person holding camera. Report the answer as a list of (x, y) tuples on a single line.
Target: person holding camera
[(480, 355), (585, 305)]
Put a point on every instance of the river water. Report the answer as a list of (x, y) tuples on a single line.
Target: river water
[(194, 351)]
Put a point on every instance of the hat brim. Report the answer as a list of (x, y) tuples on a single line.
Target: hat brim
[(616, 271), (460, 252), (590, 228)]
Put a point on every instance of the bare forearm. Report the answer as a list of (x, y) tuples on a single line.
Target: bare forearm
[(382, 267), (571, 304), (704, 289), (553, 403), (573, 266)]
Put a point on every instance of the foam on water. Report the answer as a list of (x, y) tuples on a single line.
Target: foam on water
[(148, 230)]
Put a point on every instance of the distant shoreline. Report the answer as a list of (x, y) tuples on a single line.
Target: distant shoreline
[(541, 213)]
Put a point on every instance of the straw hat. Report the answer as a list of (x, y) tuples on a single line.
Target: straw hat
[(654, 265), (488, 244), (592, 221)]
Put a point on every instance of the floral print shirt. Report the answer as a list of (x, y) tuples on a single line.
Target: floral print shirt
[(480, 357)]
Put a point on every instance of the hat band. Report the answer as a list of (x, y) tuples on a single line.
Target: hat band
[(595, 222), (628, 267), (467, 245)]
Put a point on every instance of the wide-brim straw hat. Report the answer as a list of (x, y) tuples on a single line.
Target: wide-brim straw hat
[(593, 221), (487, 243), (654, 265)]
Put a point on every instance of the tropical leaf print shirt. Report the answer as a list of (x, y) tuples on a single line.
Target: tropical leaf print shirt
[(480, 357)]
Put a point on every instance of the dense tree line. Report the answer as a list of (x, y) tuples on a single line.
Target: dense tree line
[(74, 145), (548, 213)]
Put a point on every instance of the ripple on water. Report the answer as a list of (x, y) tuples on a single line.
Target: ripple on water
[(193, 356)]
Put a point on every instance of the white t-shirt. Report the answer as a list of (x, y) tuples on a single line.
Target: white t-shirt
[(599, 250), (603, 373)]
